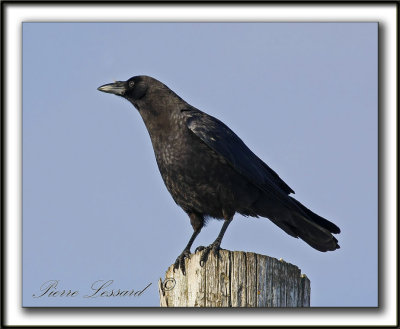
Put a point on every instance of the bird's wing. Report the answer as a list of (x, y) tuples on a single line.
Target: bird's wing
[(225, 142)]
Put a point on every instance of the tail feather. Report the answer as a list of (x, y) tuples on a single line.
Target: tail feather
[(300, 222), (315, 235), (317, 219)]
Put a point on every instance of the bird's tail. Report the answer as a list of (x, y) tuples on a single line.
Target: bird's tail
[(301, 222)]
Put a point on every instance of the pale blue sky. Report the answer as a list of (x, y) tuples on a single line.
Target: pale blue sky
[(302, 96)]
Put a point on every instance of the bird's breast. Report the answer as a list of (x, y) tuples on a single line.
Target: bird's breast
[(189, 169), (197, 177)]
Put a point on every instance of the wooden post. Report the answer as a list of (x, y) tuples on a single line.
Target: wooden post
[(236, 279)]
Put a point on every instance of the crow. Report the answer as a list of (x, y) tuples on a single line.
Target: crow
[(211, 173)]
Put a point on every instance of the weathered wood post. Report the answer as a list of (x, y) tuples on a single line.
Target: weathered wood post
[(236, 279)]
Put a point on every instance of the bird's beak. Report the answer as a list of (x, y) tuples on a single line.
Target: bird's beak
[(116, 88)]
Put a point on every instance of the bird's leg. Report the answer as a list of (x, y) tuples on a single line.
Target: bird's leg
[(197, 222), (215, 246), (180, 261)]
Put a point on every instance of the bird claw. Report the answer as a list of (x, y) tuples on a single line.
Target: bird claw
[(199, 248), (180, 261), (215, 247)]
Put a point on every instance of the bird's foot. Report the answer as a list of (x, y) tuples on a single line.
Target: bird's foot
[(180, 261), (215, 247)]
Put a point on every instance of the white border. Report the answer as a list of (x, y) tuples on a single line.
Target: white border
[(15, 14)]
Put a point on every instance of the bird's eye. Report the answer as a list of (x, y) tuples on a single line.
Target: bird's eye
[(131, 83)]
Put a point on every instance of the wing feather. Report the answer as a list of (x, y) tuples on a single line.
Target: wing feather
[(224, 141)]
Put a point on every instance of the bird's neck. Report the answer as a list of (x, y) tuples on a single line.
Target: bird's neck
[(161, 124)]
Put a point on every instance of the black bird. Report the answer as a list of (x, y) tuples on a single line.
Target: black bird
[(210, 172)]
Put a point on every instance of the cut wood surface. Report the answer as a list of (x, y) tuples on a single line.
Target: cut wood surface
[(235, 279)]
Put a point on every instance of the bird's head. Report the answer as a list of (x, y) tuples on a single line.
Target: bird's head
[(151, 97), (133, 89)]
